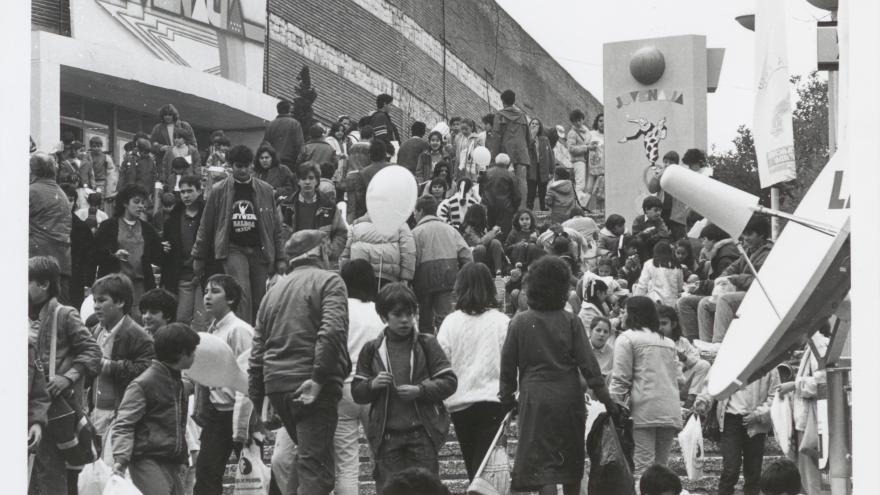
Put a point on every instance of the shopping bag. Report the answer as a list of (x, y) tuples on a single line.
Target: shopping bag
[(253, 476), (93, 478), (117, 485), (780, 416), (691, 440), (609, 470), (493, 476)]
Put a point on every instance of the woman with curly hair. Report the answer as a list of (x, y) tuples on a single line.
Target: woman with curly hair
[(546, 356), (162, 135), (269, 169)]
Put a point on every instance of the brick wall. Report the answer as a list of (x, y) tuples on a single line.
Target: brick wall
[(51, 15), (356, 49)]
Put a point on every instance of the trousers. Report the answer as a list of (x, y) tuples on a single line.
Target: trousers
[(403, 450), (652, 446), (433, 308), (739, 451), (476, 427), (191, 305), (247, 266), (157, 477), (346, 449), (216, 447), (715, 317)]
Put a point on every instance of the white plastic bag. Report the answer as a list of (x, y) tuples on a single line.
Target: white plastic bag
[(252, 477), (120, 486), (691, 441), (781, 417), (93, 478)]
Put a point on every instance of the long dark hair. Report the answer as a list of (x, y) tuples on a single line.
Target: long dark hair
[(663, 255), (519, 213), (547, 284), (641, 312), (475, 289), (689, 261), (591, 292), (476, 219)]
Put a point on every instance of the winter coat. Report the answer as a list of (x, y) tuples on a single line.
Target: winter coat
[(473, 345), (280, 178), (159, 136), (383, 127), (131, 354), (608, 243), (151, 420), (645, 378), (409, 153), (166, 173), (214, 228), (541, 159), (50, 222), (560, 200), (430, 370), (660, 284), (172, 260), (77, 355), (759, 398), (286, 136), (722, 255), (318, 151), (511, 126), (301, 332), (107, 243), (428, 159), (578, 141), (138, 169), (500, 189), (328, 219), (440, 253), (392, 257), (453, 209)]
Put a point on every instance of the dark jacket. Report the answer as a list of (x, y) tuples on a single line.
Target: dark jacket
[(723, 254), (151, 420), (740, 274), (77, 355), (130, 356), (279, 177), (172, 260), (285, 135), (107, 243), (50, 222), (214, 228), (440, 253), (363, 182), (409, 152), (301, 332), (159, 136), (500, 190), (560, 200), (138, 169), (541, 159), (432, 373), (81, 240), (383, 127), (328, 219), (511, 126), (38, 397), (318, 151)]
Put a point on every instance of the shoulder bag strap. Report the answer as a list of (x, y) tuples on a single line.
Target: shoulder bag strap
[(53, 338)]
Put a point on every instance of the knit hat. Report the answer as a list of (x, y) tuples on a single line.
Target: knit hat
[(302, 242)]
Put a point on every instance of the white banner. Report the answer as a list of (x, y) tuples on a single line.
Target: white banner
[(774, 137)]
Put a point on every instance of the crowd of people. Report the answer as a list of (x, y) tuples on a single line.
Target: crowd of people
[(500, 295)]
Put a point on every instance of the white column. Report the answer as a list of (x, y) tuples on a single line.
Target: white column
[(45, 104)]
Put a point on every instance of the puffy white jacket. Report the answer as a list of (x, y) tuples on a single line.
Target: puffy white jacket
[(660, 284), (393, 257)]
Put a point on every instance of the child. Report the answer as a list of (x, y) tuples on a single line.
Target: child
[(560, 199), (650, 227), (659, 480), (602, 344), (167, 202), (454, 209), (594, 297), (661, 279), (223, 413), (326, 185), (521, 244), (610, 236), (486, 246), (405, 376), (693, 369), (436, 187), (632, 264), (684, 257), (93, 215), (781, 477), (148, 435), (127, 349), (158, 308), (561, 246)]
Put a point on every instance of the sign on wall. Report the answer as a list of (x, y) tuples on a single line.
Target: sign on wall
[(222, 37), (655, 102)]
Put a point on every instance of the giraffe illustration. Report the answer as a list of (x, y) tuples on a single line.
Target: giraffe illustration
[(651, 135)]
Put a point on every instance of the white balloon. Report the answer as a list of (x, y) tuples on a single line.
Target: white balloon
[(216, 366), (482, 156), (391, 198)]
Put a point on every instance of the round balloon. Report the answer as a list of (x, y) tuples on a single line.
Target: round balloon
[(481, 156), (214, 365), (391, 197)]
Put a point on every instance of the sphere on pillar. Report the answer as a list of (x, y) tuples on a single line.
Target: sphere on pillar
[(647, 65), (824, 4)]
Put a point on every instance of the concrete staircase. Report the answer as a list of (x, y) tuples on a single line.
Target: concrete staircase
[(454, 476)]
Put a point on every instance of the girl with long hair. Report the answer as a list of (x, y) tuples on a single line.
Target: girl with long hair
[(541, 168), (486, 246), (521, 245), (662, 279)]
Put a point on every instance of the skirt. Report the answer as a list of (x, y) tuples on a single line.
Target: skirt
[(552, 421)]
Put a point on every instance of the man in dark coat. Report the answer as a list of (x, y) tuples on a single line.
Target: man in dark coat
[(501, 194), (408, 154), (50, 218), (511, 132), (380, 121), (285, 135)]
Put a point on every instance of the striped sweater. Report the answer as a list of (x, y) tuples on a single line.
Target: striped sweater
[(452, 210)]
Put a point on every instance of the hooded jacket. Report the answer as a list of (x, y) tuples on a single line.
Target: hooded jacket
[(430, 370), (319, 151), (50, 222), (392, 257), (511, 126), (500, 189), (440, 253), (560, 200), (722, 255), (578, 141)]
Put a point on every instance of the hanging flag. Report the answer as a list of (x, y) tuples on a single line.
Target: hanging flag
[(774, 137)]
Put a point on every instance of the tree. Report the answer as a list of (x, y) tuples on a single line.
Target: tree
[(305, 97), (738, 167)]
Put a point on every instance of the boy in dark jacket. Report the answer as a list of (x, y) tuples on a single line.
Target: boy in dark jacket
[(405, 375), (650, 227), (149, 432), (560, 197)]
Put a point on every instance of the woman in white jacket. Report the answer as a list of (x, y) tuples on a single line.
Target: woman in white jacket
[(662, 280), (472, 338)]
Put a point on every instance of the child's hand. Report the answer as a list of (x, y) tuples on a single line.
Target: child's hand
[(496, 230), (382, 380), (408, 392)]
